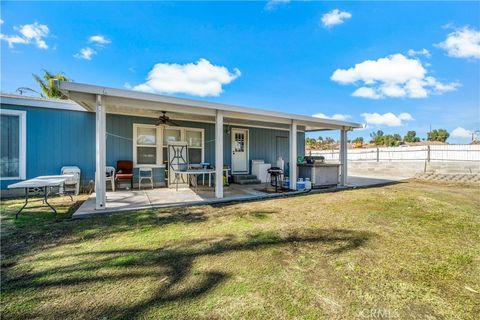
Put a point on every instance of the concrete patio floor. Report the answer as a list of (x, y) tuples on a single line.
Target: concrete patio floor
[(134, 199)]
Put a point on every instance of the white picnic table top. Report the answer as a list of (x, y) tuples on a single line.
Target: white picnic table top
[(42, 181)]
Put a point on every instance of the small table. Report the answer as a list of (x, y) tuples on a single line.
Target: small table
[(193, 174), (41, 184), (225, 172)]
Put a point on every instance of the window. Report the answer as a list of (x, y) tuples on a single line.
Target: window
[(170, 135), (150, 143), (13, 144), (194, 139), (145, 148)]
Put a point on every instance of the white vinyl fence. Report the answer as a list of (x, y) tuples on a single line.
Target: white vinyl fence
[(449, 152)]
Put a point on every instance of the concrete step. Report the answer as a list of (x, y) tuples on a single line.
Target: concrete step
[(249, 181)]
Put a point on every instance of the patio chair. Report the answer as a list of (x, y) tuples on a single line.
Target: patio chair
[(71, 185), (124, 171), (145, 173), (110, 176)]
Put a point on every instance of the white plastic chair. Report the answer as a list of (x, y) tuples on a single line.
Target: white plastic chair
[(145, 173), (110, 176), (72, 184)]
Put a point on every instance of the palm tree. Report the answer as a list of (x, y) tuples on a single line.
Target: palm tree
[(47, 84)]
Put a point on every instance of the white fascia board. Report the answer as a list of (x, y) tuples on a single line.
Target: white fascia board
[(39, 102), (68, 87)]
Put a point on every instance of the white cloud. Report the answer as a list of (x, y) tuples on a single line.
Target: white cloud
[(99, 40), (394, 76), (387, 119), (337, 116), (272, 4), (423, 52), (365, 92), (11, 40), (28, 33), (460, 132), (85, 53), (197, 79), (462, 43), (335, 17), (1, 21)]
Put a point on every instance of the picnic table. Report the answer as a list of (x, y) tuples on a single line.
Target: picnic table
[(41, 185)]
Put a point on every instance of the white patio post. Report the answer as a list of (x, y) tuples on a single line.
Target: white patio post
[(343, 157), (219, 154), (100, 117), (293, 155)]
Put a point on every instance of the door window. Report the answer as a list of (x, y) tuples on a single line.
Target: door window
[(239, 142)]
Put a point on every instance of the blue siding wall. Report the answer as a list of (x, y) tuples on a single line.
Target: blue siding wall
[(120, 136), (57, 138), (265, 144)]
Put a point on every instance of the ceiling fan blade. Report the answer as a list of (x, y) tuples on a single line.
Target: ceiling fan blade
[(173, 123)]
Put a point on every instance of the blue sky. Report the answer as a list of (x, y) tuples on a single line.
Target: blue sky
[(333, 58)]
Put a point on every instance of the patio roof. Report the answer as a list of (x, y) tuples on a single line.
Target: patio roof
[(103, 100), (122, 101)]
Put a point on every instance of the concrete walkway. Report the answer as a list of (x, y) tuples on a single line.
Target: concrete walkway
[(371, 181), (132, 200)]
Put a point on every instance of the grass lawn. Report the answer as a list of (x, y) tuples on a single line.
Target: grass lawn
[(405, 251)]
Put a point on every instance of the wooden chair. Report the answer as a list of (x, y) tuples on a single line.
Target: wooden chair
[(124, 171)]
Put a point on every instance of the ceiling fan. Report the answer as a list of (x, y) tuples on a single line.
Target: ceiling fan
[(165, 120)]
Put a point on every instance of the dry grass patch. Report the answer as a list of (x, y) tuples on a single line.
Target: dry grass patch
[(404, 251)]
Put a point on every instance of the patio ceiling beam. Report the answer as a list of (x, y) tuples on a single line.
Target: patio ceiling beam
[(246, 116), (157, 106)]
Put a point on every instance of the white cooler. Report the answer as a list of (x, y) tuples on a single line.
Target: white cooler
[(259, 169)]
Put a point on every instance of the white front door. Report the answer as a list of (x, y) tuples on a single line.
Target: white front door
[(239, 150)]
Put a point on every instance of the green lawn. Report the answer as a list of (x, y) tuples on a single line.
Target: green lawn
[(405, 251)]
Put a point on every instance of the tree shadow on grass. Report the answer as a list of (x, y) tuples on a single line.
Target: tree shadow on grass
[(42, 230), (172, 269)]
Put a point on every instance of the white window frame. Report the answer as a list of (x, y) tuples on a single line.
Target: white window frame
[(158, 133), (202, 147), (160, 145), (22, 132)]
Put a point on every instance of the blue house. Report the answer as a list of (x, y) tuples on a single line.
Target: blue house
[(99, 126)]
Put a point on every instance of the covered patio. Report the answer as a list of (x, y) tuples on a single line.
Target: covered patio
[(221, 117)]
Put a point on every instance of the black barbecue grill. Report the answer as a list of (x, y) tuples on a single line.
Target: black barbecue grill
[(276, 177)]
